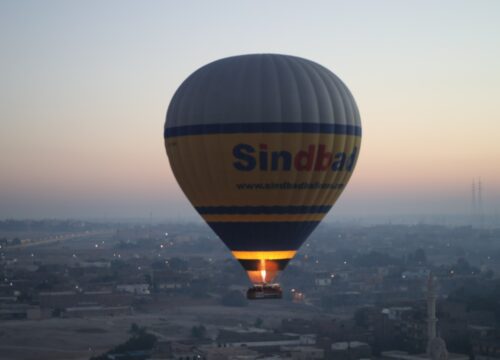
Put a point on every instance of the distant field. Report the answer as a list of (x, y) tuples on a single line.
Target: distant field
[(74, 339)]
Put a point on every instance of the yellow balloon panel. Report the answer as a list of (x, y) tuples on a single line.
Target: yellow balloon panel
[(262, 169)]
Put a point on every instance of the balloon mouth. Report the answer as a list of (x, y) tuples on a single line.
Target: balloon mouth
[(263, 267), (264, 276)]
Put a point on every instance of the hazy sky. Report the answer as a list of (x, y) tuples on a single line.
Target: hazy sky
[(85, 86)]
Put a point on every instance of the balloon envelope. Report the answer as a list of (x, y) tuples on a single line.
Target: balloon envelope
[(262, 145)]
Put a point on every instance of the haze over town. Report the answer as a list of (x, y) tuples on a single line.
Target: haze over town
[(85, 87)]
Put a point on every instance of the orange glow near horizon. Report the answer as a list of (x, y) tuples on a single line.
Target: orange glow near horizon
[(82, 122)]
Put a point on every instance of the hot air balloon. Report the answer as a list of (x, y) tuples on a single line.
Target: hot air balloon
[(262, 145)]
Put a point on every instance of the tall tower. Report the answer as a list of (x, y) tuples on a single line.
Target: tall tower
[(431, 309), (436, 347)]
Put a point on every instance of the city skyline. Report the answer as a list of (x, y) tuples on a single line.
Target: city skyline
[(86, 87)]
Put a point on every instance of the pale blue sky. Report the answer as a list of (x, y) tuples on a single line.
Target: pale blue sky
[(85, 86)]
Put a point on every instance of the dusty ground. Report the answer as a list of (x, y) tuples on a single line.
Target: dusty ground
[(81, 338)]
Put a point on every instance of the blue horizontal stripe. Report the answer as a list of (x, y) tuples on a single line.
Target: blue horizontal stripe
[(263, 236), (265, 127), (254, 210)]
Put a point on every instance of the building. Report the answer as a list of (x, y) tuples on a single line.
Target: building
[(304, 352), (229, 353), (136, 289), (227, 338), (19, 312), (92, 311), (350, 350), (403, 355)]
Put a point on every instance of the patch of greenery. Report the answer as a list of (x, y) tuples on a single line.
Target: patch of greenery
[(140, 341)]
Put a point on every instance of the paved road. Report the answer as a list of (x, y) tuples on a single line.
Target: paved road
[(39, 348), (55, 239), (13, 352)]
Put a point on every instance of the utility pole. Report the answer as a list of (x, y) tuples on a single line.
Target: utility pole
[(473, 200), (480, 203)]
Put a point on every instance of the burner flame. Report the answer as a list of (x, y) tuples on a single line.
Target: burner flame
[(263, 271)]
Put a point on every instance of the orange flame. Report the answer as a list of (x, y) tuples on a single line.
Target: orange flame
[(263, 270), (266, 272)]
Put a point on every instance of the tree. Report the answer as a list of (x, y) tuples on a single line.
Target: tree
[(149, 280), (198, 332), (361, 317), (140, 341), (135, 329), (258, 322)]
